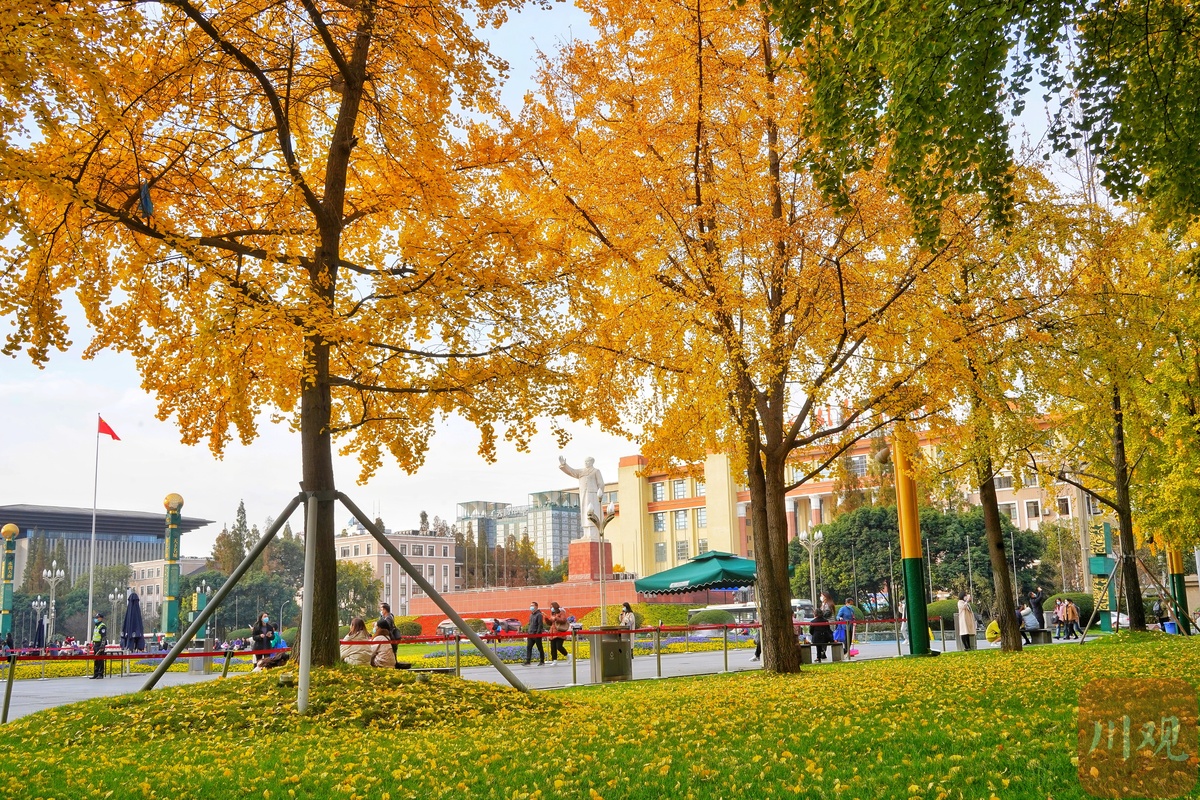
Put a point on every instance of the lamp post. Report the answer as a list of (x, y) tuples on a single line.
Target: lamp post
[(203, 590), (53, 576), (114, 597), (609, 513), (9, 532), (810, 541), (39, 607)]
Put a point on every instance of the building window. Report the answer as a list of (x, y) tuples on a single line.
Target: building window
[(1009, 510), (701, 546), (1064, 506), (660, 521), (458, 570), (429, 570), (857, 466), (418, 550), (678, 489), (1003, 482), (658, 491), (445, 551), (1033, 509), (1031, 478), (355, 549), (403, 549), (702, 518), (1093, 505), (445, 572), (387, 569), (700, 489), (660, 552), (681, 520), (368, 549), (345, 552), (681, 550), (445, 586)]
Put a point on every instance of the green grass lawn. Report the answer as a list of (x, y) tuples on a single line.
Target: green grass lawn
[(972, 725)]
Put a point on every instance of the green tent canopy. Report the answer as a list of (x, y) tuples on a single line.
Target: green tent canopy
[(711, 570)]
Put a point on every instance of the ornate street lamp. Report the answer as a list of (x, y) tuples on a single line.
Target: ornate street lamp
[(9, 532), (39, 607), (53, 576)]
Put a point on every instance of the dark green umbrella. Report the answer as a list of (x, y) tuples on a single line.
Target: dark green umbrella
[(711, 570)]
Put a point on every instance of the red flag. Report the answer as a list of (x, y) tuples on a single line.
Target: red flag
[(105, 428)]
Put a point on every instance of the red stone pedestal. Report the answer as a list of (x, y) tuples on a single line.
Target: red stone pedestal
[(584, 561)]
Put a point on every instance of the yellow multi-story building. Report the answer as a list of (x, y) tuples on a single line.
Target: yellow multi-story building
[(665, 518)]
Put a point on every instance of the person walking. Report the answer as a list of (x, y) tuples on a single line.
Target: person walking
[(965, 622), (537, 626), (845, 616), (1071, 616), (559, 626), (1058, 617), (99, 634)]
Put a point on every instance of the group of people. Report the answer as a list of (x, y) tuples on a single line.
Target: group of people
[(1032, 617), (378, 648), (828, 628)]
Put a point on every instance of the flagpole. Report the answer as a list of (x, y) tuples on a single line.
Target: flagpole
[(92, 548)]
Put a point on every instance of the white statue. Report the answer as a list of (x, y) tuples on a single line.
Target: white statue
[(591, 488)]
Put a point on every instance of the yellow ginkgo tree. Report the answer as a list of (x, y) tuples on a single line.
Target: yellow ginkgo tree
[(721, 303), (279, 206)]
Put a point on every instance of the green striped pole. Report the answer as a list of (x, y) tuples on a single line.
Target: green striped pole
[(910, 553), (170, 612), (1176, 585)]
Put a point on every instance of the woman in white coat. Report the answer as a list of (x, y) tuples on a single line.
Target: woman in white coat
[(965, 623)]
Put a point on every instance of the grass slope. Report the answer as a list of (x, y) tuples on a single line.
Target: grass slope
[(972, 725)]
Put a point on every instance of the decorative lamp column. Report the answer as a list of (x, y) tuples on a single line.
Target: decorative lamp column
[(170, 614), (10, 532), (1174, 581), (1101, 564), (910, 553), (200, 601)]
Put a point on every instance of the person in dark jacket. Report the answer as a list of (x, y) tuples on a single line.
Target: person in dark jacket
[(263, 633), (822, 633), (537, 625), (1037, 599)]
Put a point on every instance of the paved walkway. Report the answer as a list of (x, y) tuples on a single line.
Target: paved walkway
[(29, 696)]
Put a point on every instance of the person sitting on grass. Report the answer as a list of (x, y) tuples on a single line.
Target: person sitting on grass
[(359, 654), (381, 653), (993, 632)]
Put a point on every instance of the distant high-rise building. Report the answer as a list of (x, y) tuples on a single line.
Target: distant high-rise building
[(550, 519)]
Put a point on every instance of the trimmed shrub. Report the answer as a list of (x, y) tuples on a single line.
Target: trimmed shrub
[(1082, 599), (477, 625), (942, 609), (409, 628), (715, 617), (647, 614)]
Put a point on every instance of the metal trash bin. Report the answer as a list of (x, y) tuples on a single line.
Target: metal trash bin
[(611, 655), (201, 665)]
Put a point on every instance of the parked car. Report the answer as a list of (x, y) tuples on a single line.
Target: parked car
[(447, 628), (507, 624)]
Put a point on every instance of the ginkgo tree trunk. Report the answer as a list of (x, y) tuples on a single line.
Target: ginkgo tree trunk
[(277, 207), (720, 303)]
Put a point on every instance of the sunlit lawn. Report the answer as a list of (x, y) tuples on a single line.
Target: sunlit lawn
[(967, 725)]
